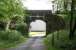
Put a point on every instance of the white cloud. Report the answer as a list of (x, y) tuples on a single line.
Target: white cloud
[(37, 4)]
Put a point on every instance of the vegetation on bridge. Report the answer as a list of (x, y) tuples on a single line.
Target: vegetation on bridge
[(64, 39)]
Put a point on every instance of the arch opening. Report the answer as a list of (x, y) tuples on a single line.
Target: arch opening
[(37, 28)]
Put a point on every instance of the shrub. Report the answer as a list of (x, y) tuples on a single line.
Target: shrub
[(11, 35), (62, 43), (22, 28), (10, 38)]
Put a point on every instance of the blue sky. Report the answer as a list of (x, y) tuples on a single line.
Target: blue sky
[(38, 4)]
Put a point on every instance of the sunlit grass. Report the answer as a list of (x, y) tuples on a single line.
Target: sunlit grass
[(34, 34)]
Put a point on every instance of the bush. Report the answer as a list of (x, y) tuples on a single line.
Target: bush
[(22, 28), (62, 43), (10, 37)]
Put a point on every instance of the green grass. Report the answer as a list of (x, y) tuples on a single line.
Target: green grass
[(7, 44), (53, 48), (10, 38), (60, 43)]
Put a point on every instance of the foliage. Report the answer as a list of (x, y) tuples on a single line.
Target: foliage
[(10, 35), (22, 28), (10, 38), (54, 22), (10, 9), (63, 42), (17, 20), (68, 9)]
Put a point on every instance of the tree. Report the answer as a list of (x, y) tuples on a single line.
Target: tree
[(69, 10), (10, 9), (72, 19)]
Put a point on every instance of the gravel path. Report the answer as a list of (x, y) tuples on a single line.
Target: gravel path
[(35, 43)]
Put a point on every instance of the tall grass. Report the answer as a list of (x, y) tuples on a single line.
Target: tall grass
[(63, 43), (10, 38)]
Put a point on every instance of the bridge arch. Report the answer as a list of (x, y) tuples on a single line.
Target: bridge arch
[(38, 28)]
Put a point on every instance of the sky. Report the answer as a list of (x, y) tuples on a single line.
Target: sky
[(38, 25), (37, 4)]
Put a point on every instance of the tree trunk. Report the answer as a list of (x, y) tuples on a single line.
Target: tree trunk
[(71, 21), (57, 34), (74, 28), (7, 25), (52, 39)]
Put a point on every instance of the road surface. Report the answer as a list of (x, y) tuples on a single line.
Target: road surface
[(35, 43)]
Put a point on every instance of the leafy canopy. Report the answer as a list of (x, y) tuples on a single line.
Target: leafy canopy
[(10, 9)]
